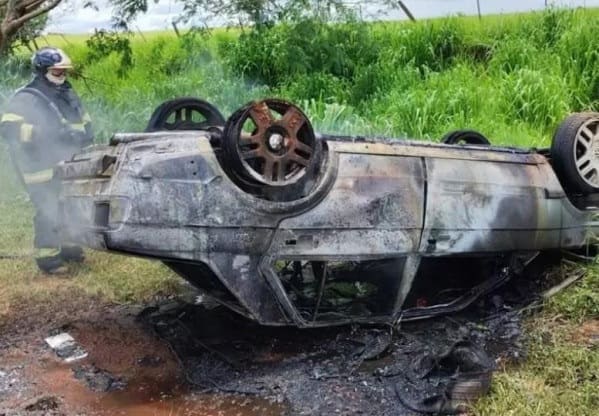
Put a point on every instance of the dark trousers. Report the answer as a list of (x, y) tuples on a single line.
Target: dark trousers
[(44, 197), (50, 250)]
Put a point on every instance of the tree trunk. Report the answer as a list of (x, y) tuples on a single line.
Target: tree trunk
[(6, 34), (3, 43), (16, 14)]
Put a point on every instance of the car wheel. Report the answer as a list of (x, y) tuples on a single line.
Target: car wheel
[(185, 113), (271, 142), (575, 153), (465, 137)]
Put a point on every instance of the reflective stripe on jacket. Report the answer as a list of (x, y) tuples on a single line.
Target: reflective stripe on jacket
[(16, 123), (38, 177)]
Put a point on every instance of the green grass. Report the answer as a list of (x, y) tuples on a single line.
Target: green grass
[(559, 378), (561, 373), (116, 278), (512, 77)]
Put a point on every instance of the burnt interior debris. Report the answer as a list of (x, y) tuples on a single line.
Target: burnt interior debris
[(97, 379), (330, 290), (341, 290)]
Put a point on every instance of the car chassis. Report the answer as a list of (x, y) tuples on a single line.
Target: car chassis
[(289, 227)]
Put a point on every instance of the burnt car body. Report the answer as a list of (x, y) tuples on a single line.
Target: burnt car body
[(343, 231)]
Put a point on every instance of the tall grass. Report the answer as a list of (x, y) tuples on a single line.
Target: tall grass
[(519, 73)]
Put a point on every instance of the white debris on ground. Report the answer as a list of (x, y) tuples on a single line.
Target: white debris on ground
[(65, 346)]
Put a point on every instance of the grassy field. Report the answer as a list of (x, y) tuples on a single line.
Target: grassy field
[(511, 77)]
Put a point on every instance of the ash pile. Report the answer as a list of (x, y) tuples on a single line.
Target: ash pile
[(436, 366)]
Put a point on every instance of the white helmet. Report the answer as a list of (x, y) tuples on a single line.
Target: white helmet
[(47, 59)]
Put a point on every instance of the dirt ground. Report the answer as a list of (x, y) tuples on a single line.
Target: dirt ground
[(128, 370), (175, 358)]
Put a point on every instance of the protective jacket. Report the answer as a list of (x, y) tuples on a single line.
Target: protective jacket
[(44, 124)]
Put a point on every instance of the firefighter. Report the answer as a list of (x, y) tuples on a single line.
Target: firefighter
[(44, 123)]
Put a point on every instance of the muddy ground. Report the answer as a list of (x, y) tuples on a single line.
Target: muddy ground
[(173, 358)]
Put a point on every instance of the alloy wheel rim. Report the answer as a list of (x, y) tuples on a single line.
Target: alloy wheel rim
[(586, 152)]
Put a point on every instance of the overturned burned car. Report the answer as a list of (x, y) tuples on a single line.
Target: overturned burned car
[(289, 227)]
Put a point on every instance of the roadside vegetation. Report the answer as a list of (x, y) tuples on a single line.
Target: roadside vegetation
[(511, 77)]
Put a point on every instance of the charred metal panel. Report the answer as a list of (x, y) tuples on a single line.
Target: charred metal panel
[(182, 188), (92, 168), (232, 254), (375, 207), (476, 206), (578, 226), (124, 138), (78, 201), (409, 272), (240, 273), (187, 243), (319, 244)]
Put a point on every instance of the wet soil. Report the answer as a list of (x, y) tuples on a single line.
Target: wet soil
[(128, 370), (174, 358)]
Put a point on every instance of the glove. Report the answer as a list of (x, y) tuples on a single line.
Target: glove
[(82, 139), (75, 137)]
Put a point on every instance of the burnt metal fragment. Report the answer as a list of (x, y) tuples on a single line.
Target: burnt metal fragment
[(98, 380), (463, 373)]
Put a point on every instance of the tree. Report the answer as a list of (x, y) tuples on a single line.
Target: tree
[(15, 15), (28, 34), (246, 11)]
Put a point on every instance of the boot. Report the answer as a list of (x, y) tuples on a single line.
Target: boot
[(51, 265), (72, 253)]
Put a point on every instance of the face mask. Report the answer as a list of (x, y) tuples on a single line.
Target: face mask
[(56, 79)]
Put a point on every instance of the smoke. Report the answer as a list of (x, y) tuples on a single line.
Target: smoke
[(126, 104), (9, 184), (12, 76), (228, 93)]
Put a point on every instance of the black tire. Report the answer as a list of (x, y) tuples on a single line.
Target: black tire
[(573, 153), (159, 121), (465, 137)]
